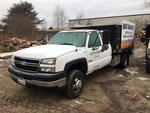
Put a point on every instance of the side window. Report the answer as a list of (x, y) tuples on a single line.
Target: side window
[(94, 40)]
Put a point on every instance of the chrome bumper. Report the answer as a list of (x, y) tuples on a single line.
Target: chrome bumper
[(57, 83)]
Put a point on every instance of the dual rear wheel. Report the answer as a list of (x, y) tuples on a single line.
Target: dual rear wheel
[(124, 61)]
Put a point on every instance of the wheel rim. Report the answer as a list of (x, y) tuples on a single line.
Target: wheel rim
[(77, 84)]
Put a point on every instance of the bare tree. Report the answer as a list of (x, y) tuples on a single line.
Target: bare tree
[(79, 17), (89, 22), (146, 3), (60, 18)]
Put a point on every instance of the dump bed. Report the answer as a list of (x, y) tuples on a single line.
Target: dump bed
[(120, 36)]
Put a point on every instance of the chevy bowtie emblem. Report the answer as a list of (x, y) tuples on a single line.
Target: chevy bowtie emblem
[(23, 63)]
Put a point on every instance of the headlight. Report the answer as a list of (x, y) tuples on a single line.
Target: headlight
[(49, 61), (47, 69), (47, 65)]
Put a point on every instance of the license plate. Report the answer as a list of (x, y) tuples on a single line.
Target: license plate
[(22, 82)]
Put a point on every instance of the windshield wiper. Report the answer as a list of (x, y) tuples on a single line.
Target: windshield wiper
[(66, 44)]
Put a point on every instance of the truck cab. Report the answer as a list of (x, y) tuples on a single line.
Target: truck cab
[(64, 62)]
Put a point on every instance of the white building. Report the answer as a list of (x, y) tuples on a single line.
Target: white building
[(139, 19)]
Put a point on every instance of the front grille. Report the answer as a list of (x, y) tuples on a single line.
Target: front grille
[(26, 64)]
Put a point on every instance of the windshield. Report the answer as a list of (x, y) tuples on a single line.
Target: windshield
[(77, 39)]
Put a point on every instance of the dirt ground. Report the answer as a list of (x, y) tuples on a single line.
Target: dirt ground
[(109, 90)]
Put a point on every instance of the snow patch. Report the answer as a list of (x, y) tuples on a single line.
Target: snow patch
[(132, 70), (5, 60), (90, 102), (139, 53), (147, 97), (73, 105), (142, 78), (77, 102), (120, 75), (1, 60)]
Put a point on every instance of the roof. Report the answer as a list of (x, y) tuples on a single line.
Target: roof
[(77, 30), (110, 17)]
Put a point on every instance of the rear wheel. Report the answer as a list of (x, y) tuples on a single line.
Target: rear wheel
[(124, 62), (131, 51), (74, 84)]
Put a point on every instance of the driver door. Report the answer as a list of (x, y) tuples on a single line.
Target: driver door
[(94, 52)]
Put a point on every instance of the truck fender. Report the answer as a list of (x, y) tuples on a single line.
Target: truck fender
[(73, 62)]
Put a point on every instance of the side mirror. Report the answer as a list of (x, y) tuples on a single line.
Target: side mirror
[(104, 47)]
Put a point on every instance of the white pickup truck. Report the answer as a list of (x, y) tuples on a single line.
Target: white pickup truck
[(67, 58)]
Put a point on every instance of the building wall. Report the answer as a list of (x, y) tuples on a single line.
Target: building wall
[(139, 20)]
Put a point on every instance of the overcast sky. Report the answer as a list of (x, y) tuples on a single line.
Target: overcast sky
[(90, 8)]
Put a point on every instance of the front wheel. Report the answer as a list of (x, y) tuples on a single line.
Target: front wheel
[(74, 85)]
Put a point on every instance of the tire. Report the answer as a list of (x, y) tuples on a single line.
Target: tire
[(74, 85), (29, 86), (124, 61), (147, 66), (131, 52)]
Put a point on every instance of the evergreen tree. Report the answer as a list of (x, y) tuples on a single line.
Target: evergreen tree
[(21, 20)]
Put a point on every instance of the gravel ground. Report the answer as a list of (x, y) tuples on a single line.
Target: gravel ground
[(109, 90)]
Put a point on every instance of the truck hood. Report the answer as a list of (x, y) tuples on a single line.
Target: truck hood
[(45, 51)]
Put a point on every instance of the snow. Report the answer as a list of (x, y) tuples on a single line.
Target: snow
[(120, 75), (148, 97), (1, 60), (77, 102), (6, 55), (90, 102), (142, 78), (139, 53), (132, 70)]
